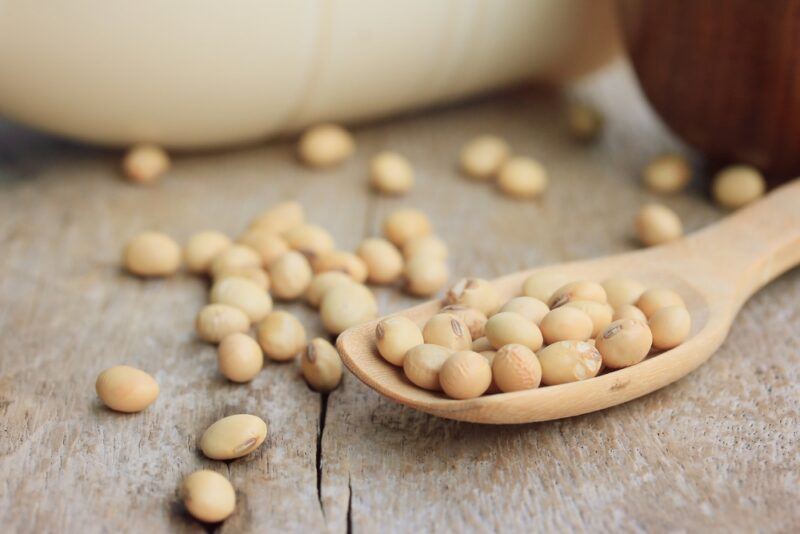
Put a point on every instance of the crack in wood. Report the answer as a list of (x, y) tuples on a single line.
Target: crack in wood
[(349, 505), (323, 410)]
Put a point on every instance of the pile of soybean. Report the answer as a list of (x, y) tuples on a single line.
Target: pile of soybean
[(557, 331), (279, 257)]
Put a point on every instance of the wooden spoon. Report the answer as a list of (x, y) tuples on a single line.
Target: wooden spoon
[(715, 271)]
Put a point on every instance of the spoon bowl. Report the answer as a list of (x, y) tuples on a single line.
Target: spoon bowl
[(715, 271)]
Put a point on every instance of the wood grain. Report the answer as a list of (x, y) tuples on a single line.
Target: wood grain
[(715, 451), (724, 74)]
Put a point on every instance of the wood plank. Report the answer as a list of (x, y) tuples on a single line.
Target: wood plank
[(717, 450)]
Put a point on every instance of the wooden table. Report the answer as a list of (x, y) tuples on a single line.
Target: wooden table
[(716, 451)]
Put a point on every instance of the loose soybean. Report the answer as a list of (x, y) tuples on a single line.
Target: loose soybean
[(290, 275), (339, 260), (152, 254), (216, 321), (321, 283), (126, 389), (325, 145), (321, 365), (243, 294), (383, 261), (425, 276), (239, 358), (202, 248), (208, 496), (403, 225), (482, 157), (281, 336), (233, 437), (344, 306), (391, 173)]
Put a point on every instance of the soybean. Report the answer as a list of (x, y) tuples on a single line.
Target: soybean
[(426, 245), (202, 248), (522, 178), (208, 496), (505, 328), (145, 163), (339, 260), (569, 361), (422, 364), (403, 225), (391, 173), (656, 298), (578, 290), (216, 321), (737, 186), (382, 259), (629, 311), (516, 368), (281, 336), (310, 239), (126, 389), (425, 276), (348, 305), (266, 244), (243, 294), (482, 157), (321, 365), (670, 327), (280, 218), (465, 375), (657, 224), (395, 336), (566, 323), (543, 284), (600, 313), (621, 291), (624, 343), (585, 122), (290, 275), (474, 319), (152, 254), (475, 293), (325, 145), (482, 344), (234, 257), (239, 358), (668, 174), (447, 331), (321, 283), (233, 437), (257, 275), (529, 307)]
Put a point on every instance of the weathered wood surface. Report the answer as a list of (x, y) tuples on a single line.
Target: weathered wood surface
[(716, 451)]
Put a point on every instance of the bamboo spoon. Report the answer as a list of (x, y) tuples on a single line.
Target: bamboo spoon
[(715, 271)]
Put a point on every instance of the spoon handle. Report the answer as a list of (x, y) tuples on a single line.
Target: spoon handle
[(756, 244)]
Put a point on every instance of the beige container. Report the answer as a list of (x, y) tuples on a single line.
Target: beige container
[(199, 73)]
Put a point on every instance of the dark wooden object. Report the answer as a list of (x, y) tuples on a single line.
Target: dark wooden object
[(723, 74)]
